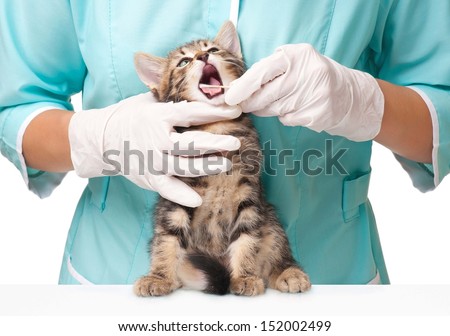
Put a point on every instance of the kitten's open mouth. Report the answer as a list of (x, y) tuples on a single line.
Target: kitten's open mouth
[(210, 76)]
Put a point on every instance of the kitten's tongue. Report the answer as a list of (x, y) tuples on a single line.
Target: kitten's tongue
[(210, 76), (212, 90)]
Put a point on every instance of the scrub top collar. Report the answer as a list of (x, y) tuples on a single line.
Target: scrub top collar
[(234, 12)]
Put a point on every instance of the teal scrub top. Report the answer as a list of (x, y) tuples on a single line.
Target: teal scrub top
[(52, 49)]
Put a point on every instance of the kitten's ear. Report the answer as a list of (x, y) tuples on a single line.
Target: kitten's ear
[(149, 68), (228, 38)]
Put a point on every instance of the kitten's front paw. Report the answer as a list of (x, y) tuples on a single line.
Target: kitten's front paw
[(150, 285), (293, 280), (248, 286)]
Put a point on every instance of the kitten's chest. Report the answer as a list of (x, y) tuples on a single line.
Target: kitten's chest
[(213, 222)]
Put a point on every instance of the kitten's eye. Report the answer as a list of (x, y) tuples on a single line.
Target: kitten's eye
[(212, 50), (184, 62)]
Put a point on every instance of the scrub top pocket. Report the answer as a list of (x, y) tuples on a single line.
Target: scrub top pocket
[(354, 195), (99, 189)]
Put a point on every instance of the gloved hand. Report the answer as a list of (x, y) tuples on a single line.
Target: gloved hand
[(98, 138), (305, 88)]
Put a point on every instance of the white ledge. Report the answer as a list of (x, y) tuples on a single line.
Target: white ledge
[(397, 300)]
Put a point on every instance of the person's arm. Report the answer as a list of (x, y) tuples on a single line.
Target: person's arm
[(41, 79), (406, 127), (413, 52), (46, 143)]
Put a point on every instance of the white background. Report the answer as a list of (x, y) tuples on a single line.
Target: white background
[(414, 227)]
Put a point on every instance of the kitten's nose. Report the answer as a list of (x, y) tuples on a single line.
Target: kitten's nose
[(203, 57)]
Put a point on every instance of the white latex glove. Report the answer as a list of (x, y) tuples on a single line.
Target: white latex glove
[(305, 88), (148, 126)]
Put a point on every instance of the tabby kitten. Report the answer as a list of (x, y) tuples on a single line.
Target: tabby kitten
[(233, 242)]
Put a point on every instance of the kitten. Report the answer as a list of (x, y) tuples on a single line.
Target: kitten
[(233, 242)]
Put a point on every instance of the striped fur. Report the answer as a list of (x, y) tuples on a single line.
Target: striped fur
[(233, 242)]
